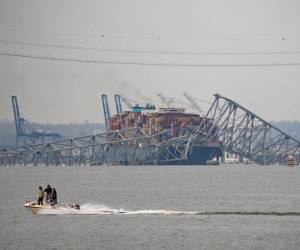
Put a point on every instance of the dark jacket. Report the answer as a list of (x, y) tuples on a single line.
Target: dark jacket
[(48, 190), (54, 195)]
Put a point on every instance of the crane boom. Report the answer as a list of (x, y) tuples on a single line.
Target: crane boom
[(16, 111), (194, 104), (126, 101), (118, 104), (106, 112), (167, 101)]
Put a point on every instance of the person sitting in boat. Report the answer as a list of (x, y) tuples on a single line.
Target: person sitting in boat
[(41, 196), (54, 197), (48, 191)]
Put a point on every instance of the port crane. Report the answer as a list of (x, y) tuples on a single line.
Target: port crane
[(118, 104), (106, 111), (193, 103), (26, 133)]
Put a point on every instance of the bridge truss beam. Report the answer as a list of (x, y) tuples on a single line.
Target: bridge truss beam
[(246, 134), (123, 147)]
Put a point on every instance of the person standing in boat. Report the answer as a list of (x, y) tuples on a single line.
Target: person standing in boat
[(48, 192), (41, 196), (54, 196)]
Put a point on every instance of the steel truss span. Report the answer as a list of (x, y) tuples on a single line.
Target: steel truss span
[(241, 132), (244, 133), (124, 147)]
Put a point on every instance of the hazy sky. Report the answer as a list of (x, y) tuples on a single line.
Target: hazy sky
[(63, 91)]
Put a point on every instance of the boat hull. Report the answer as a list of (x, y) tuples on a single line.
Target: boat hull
[(36, 209)]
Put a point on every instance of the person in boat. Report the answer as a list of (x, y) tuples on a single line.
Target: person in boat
[(48, 192), (41, 196), (54, 197)]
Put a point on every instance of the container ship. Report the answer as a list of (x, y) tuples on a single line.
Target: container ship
[(168, 124)]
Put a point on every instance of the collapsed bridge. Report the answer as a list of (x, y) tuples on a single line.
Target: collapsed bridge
[(246, 134), (124, 147), (239, 131)]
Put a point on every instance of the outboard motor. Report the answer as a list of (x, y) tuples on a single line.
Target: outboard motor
[(75, 206)]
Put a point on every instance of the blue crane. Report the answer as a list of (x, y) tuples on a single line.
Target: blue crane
[(106, 112), (26, 132), (118, 104)]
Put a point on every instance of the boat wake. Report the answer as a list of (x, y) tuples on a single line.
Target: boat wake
[(98, 209)]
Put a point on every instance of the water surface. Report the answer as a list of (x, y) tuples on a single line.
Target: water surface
[(174, 207)]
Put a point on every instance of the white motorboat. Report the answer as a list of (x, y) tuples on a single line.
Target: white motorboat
[(35, 208)]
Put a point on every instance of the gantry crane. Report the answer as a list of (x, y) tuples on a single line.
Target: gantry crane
[(118, 104), (106, 112), (26, 133)]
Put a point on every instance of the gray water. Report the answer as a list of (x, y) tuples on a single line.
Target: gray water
[(213, 207)]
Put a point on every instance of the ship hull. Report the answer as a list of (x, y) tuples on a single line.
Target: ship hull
[(206, 153), (203, 154)]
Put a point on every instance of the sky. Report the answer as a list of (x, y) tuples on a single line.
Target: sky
[(246, 50)]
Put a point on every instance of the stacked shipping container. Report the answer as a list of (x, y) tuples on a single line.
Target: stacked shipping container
[(175, 123)]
